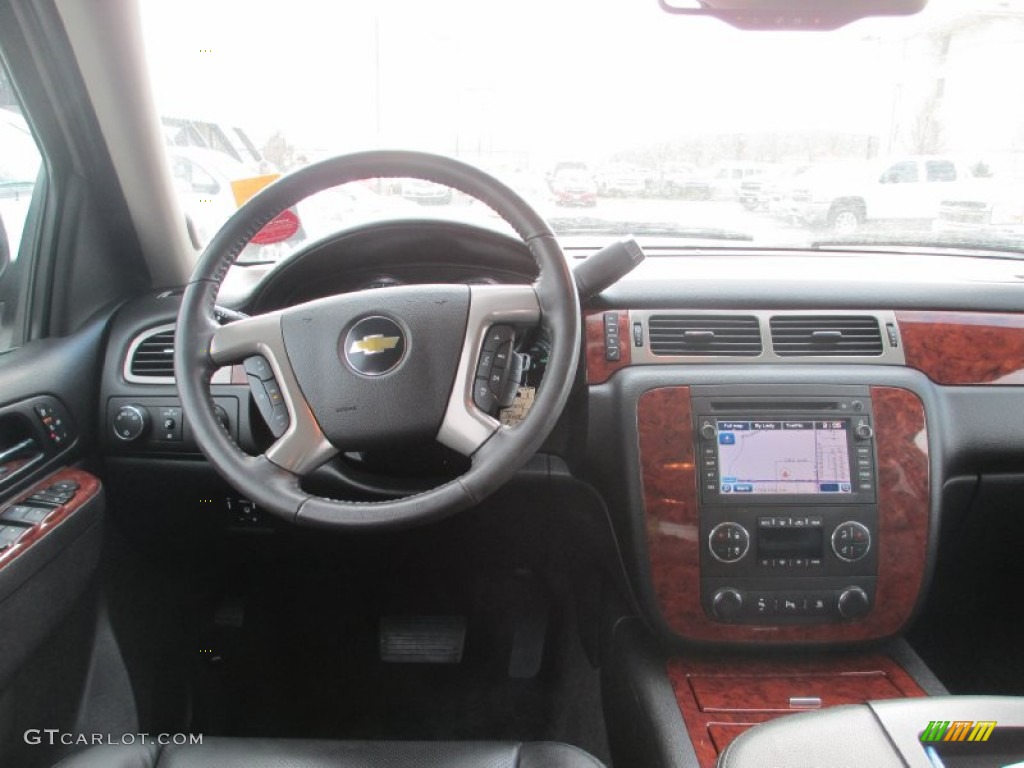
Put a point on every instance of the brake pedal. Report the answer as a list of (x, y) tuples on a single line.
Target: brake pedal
[(422, 639)]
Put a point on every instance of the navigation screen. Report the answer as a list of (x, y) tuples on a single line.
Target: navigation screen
[(783, 457)]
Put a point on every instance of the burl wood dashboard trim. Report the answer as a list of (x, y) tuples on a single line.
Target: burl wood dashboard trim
[(963, 348), (89, 487), (599, 370), (672, 523), (845, 679)]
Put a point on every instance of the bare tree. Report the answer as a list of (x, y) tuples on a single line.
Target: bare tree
[(278, 151), (926, 135)]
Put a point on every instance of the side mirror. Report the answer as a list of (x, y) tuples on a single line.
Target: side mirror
[(209, 188)]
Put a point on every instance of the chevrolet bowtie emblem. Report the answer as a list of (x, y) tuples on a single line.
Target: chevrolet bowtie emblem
[(374, 344)]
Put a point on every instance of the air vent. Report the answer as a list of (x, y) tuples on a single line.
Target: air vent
[(705, 335), (826, 336), (152, 355)]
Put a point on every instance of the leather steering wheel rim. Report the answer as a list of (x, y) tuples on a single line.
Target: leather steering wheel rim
[(496, 452)]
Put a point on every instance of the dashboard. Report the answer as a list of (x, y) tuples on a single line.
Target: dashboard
[(778, 438)]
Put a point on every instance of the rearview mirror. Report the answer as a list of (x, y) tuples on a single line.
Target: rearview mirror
[(792, 14)]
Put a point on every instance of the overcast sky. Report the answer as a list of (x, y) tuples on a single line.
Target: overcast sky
[(557, 77)]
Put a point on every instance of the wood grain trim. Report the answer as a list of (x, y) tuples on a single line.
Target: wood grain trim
[(964, 347), (600, 370), (672, 522), (850, 678), (89, 487)]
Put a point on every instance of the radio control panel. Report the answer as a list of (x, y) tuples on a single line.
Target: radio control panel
[(788, 519)]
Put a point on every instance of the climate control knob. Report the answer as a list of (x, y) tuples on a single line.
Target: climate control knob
[(130, 422), (728, 542), (851, 541), (853, 603), (726, 603)]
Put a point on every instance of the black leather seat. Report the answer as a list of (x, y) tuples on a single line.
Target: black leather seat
[(288, 753)]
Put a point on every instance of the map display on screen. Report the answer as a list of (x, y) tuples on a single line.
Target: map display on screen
[(780, 457)]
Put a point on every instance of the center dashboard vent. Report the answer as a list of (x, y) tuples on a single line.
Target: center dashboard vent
[(151, 355), (826, 336), (704, 335)]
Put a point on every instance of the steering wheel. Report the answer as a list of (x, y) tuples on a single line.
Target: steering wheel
[(359, 370)]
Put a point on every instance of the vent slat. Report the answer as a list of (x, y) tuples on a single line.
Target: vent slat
[(794, 336), (719, 335), (154, 356)]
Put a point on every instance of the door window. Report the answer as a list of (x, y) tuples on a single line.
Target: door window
[(21, 174)]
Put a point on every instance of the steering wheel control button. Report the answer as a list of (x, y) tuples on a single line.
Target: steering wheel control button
[(374, 346), (483, 368), (258, 366), (503, 355), (499, 371), (131, 422), (483, 397), (270, 403), (273, 392), (728, 542), (497, 337), (851, 541), (279, 420)]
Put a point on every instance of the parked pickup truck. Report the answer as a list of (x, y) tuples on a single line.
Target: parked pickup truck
[(984, 206), (844, 197)]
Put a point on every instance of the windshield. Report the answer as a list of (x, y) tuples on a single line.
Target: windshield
[(616, 117)]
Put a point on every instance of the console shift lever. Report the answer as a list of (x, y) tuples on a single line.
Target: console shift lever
[(607, 267)]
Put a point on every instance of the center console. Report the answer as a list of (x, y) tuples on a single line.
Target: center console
[(784, 513), (787, 504)]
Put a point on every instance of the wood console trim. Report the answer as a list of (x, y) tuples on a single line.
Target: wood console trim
[(89, 487), (841, 679), (600, 370), (964, 347), (672, 522)]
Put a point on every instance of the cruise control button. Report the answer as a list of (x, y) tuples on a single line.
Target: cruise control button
[(257, 365), (273, 392), (279, 420)]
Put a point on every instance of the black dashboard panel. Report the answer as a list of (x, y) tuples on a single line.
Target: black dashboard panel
[(972, 430), (395, 253)]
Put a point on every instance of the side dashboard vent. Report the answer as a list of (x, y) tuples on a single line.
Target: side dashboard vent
[(705, 335), (151, 355), (826, 336)]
